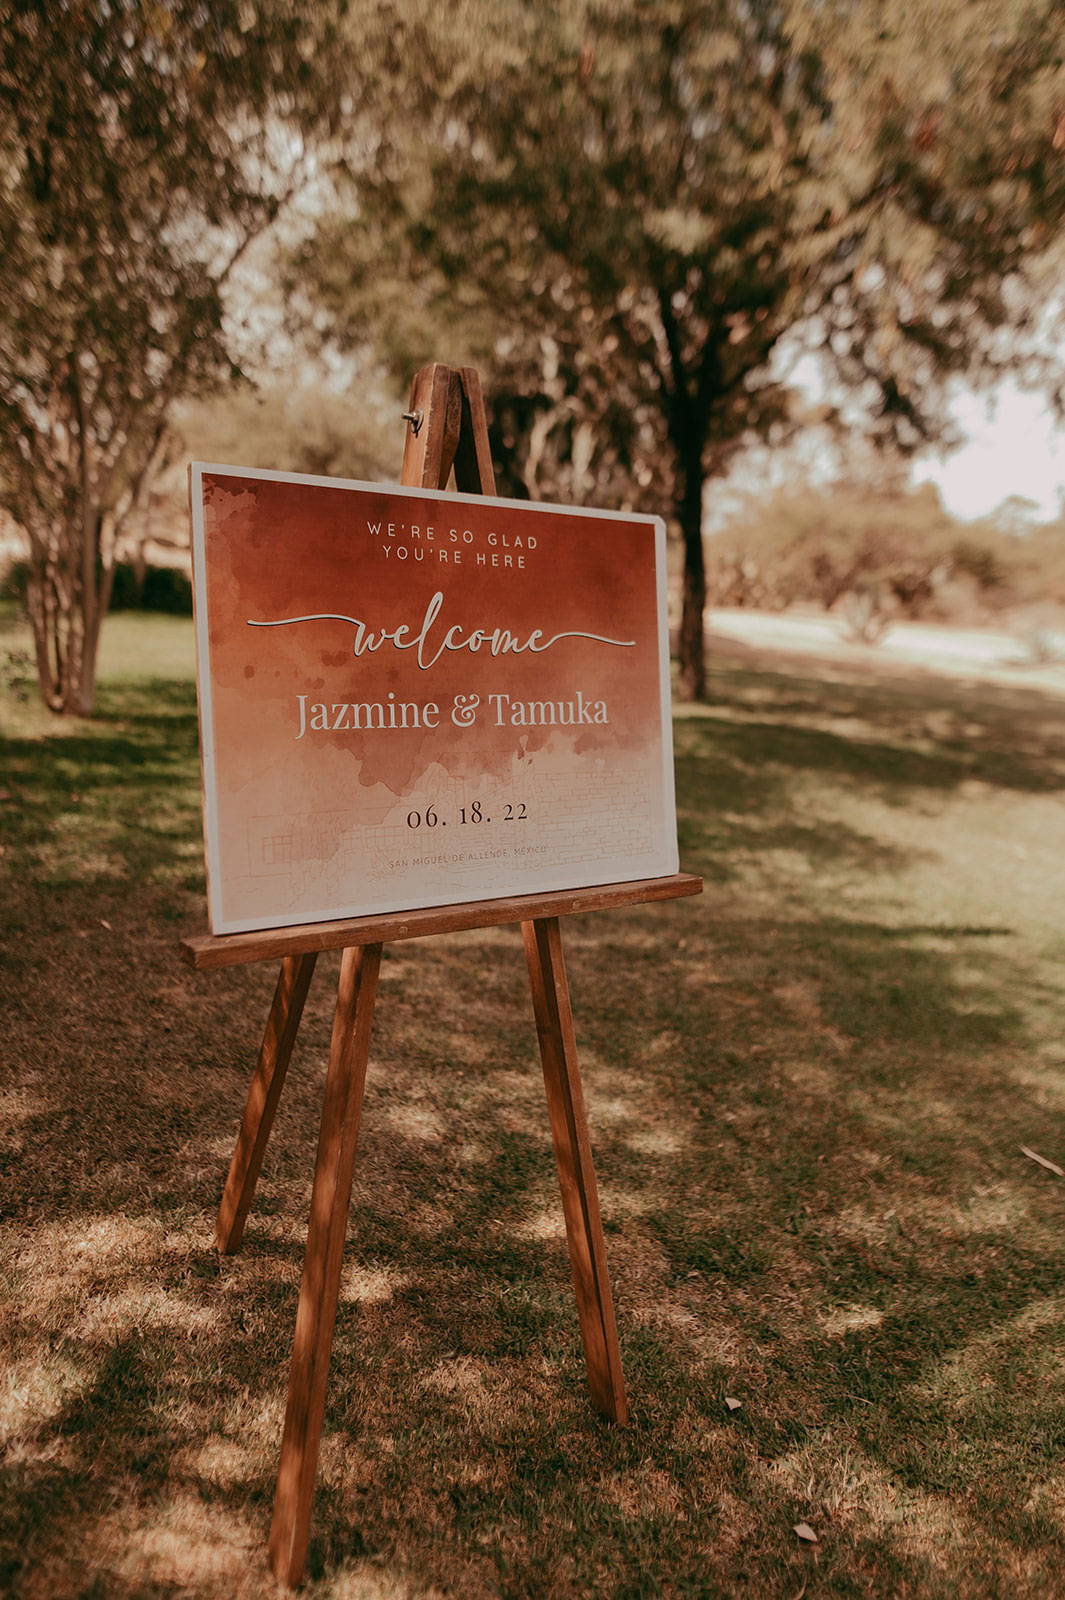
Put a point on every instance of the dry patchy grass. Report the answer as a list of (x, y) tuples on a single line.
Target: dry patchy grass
[(807, 1090)]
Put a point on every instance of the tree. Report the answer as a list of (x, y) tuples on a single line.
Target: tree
[(635, 211), (872, 546), (295, 427), (143, 148)]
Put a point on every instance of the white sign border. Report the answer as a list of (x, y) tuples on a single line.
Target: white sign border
[(198, 470)]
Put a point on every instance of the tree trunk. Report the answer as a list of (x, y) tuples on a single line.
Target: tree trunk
[(83, 664), (692, 643), (66, 601), (71, 574), (94, 613)]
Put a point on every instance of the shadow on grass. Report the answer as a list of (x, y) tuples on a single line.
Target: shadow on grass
[(119, 801), (901, 732), (807, 1132)]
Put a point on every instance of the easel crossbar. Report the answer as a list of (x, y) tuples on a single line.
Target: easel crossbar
[(207, 951)]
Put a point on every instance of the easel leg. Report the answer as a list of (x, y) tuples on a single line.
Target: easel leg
[(573, 1153), (282, 1026), (322, 1264)]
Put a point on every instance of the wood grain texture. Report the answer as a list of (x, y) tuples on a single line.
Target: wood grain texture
[(206, 951), (316, 1316), (474, 473), (282, 1026), (428, 454), (576, 1172)]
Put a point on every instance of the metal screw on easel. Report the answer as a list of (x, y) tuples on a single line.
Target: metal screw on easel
[(415, 420)]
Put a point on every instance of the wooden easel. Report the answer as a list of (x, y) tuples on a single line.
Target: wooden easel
[(447, 428)]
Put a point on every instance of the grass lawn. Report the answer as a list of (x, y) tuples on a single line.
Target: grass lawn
[(808, 1091)]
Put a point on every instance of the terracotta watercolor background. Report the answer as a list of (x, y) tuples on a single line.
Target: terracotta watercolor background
[(301, 829)]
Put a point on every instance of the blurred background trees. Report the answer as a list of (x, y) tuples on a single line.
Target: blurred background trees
[(874, 550), (641, 212), (143, 149), (644, 222)]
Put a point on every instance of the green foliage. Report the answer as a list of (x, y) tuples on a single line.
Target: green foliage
[(878, 550), (16, 674), (143, 148), (1038, 562), (165, 589), (296, 428), (13, 581), (633, 210)]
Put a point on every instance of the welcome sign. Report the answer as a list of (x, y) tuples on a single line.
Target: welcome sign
[(410, 698)]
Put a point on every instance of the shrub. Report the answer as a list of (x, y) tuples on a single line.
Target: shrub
[(165, 589)]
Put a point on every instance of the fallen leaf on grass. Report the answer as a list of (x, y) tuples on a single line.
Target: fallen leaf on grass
[(1051, 1166), (732, 1403), (804, 1531)]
